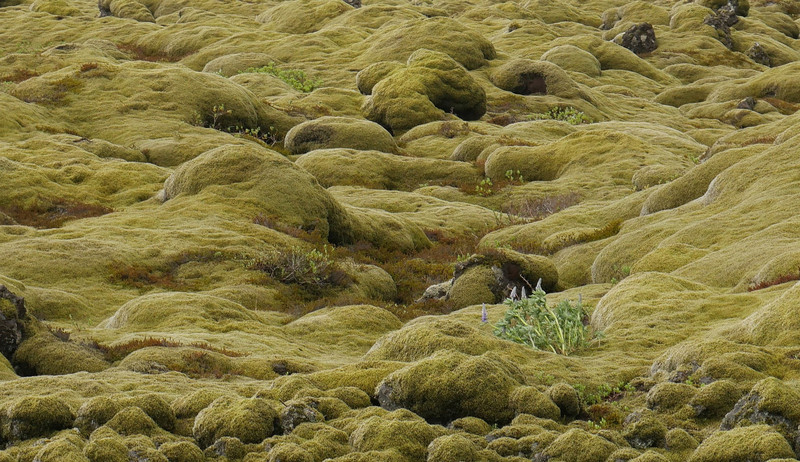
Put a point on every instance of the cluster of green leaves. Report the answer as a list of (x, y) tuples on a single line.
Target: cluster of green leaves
[(296, 78), (604, 392), (484, 187), (309, 268), (531, 322), (569, 115)]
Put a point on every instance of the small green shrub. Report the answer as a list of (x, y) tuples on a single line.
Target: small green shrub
[(296, 78), (531, 322), (484, 187), (311, 269), (569, 115)]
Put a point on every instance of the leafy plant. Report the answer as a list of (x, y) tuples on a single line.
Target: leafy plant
[(513, 176), (484, 187), (569, 115), (296, 78), (312, 269), (531, 322)]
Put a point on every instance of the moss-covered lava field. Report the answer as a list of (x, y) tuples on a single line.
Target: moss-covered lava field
[(264, 230)]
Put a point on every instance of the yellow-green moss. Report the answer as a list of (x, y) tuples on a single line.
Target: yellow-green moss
[(646, 431), (566, 398), (715, 399), (669, 396), (431, 85), (339, 132), (757, 443), (401, 431), (34, 416), (425, 336), (444, 35), (529, 400), (249, 420), (580, 446), (572, 58), (449, 385), (181, 451), (367, 78)]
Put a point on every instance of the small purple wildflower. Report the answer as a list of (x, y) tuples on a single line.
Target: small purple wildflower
[(484, 314)]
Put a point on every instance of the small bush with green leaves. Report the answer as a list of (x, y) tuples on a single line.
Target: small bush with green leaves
[(311, 269), (531, 322), (569, 115), (296, 78)]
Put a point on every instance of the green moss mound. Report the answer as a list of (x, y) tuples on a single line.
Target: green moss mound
[(380, 170), (425, 336), (572, 58), (528, 77), (249, 420), (401, 432), (580, 446), (757, 443), (444, 35), (449, 385), (339, 132), (173, 310), (34, 416), (431, 85), (279, 188)]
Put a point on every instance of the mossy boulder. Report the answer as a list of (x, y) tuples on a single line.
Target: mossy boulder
[(174, 309), (579, 446), (529, 400), (367, 78), (472, 425), (128, 9), (133, 420), (757, 443), (741, 7), (44, 354), (268, 179), (452, 448), (449, 385), (35, 416), (431, 86), (475, 285), (249, 420), (155, 406), (400, 431), (189, 405), (443, 35), (107, 448), (770, 402), (299, 411), (645, 431), (422, 337), (572, 58), (339, 132), (678, 439), (302, 16), (669, 396), (715, 399), (181, 451), (381, 170), (528, 77), (566, 398), (66, 447), (96, 411)]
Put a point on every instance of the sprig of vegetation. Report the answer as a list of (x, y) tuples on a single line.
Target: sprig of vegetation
[(569, 115), (296, 78), (311, 269), (531, 322)]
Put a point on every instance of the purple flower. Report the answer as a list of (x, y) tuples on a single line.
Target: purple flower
[(484, 314)]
